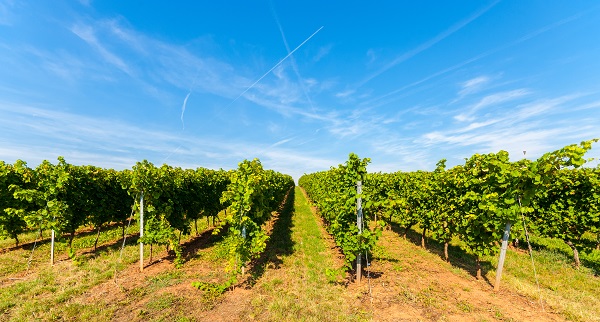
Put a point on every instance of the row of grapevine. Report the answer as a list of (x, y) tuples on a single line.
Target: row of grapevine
[(173, 198), (252, 196), (61, 197), (64, 197), (335, 195), (476, 200)]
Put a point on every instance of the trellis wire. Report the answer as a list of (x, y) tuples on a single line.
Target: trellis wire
[(531, 254), (31, 255), (123, 245)]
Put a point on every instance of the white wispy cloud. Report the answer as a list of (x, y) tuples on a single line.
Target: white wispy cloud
[(491, 100), (392, 95), (292, 58), (290, 53), (87, 34), (538, 126), (473, 85), (133, 39), (152, 64), (280, 142), (407, 155), (116, 144), (372, 56), (278, 105), (6, 12), (176, 66), (426, 45), (345, 93), (67, 66), (183, 109), (294, 163), (86, 3), (323, 51), (355, 123)]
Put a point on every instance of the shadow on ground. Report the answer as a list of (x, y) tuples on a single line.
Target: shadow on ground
[(457, 256), (279, 245)]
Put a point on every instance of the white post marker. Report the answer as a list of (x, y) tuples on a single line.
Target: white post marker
[(142, 231), (359, 224), (502, 255), (243, 236), (52, 249)]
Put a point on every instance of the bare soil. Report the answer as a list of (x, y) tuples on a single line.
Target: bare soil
[(403, 283), (409, 283)]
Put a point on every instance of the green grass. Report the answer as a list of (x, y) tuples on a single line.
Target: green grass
[(297, 278), (164, 279), (465, 306), (575, 293), (295, 287), (45, 292), (162, 301), (16, 261), (46, 295), (589, 256)]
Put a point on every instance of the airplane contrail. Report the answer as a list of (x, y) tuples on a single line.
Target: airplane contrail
[(294, 65), (426, 45), (279, 63), (186, 99), (183, 108)]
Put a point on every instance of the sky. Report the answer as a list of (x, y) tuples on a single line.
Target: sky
[(297, 84)]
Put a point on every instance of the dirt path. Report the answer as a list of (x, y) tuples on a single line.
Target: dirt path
[(294, 284), (297, 278), (289, 282), (409, 283)]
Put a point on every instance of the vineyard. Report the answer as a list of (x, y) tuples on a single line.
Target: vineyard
[(153, 242), (476, 202)]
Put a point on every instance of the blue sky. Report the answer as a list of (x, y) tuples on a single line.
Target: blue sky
[(298, 85)]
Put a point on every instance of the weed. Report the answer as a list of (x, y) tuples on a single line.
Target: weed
[(497, 313), (162, 302), (138, 292), (409, 295), (213, 291), (164, 279), (464, 306), (334, 275)]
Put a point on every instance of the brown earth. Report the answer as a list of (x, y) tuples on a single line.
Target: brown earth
[(409, 283), (404, 283)]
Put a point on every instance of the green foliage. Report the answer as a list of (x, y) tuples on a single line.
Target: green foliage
[(158, 231), (334, 275), (252, 196), (45, 199), (13, 210), (215, 288), (62, 197), (73, 256), (476, 200), (335, 194), (569, 206), (173, 198)]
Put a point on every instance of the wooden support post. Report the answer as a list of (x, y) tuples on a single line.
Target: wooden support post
[(502, 255)]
